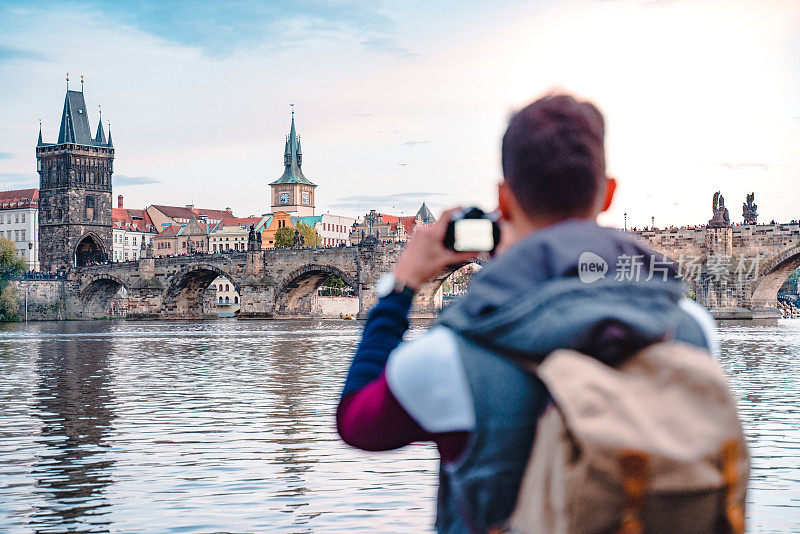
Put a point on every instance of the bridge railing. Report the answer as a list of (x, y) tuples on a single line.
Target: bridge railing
[(34, 275)]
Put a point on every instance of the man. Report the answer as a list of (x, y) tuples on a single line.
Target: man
[(460, 385)]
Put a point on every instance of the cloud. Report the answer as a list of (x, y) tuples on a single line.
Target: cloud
[(6, 155), (8, 53), (415, 143), (18, 180), (387, 45), (220, 28), (745, 166), (397, 203), (121, 179)]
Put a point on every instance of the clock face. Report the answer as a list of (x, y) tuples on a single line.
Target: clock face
[(284, 198), (306, 198)]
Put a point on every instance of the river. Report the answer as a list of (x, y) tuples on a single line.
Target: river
[(227, 426)]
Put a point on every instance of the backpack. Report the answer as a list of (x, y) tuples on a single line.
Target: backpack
[(653, 445)]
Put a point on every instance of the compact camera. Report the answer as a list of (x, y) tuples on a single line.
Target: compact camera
[(472, 230)]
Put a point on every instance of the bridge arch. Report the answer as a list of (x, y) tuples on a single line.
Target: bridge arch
[(184, 295), (89, 250), (97, 292), (293, 292), (426, 305), (772, 275)]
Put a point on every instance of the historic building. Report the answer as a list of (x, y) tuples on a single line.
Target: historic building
[(75, 190), (292, 192), (389, 228), (181, 240), (19, 223), (132, 232), (230, 235), (163, 216)]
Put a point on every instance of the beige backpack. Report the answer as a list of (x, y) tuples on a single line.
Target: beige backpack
[(651, 446)]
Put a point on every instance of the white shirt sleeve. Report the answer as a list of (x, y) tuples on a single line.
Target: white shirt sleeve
[(706, 322), (427, 377)]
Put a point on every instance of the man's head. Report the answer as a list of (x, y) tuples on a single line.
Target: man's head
[(554, 162)]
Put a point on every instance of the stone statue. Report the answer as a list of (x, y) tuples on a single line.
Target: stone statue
[(149, 250), (721, 217), (251, 239), (750, 210), (258, 241)]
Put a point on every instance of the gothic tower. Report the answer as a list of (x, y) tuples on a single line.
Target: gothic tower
[(75, 190), (293, 192)]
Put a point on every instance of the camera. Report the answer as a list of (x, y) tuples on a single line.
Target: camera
[(472, 230)]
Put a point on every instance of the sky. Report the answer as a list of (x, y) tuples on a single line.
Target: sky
[(398, 103)]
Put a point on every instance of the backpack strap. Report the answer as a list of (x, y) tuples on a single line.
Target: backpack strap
[(634, 467), (734, 512)]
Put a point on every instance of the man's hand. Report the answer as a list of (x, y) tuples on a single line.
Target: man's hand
[(425, 255)]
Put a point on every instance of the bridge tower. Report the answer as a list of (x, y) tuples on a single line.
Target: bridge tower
[(74, 190), (293, 192)]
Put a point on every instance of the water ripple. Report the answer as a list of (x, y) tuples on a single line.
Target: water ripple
[(227, 426)]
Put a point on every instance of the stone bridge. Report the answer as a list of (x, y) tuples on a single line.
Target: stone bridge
[(271, 283), (734, 271)]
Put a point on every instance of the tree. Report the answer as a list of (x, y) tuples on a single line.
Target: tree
[(284, 237), (11, 265), (310, 236)]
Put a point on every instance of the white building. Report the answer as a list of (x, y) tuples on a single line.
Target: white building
[(130, 229), (19, 223), (333, 230)]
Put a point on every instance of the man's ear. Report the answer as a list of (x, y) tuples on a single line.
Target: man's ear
[(503, 200), (611, 187)]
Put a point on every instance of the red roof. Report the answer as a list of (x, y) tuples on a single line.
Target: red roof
[(240, 221), (177, 212), (170, 231), (215, 214), (136, 220), (409, 223), (19, 198)]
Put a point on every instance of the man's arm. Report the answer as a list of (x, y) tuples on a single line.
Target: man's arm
[(369, 416)]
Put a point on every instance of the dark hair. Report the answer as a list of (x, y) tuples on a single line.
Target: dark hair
[(554, 158)]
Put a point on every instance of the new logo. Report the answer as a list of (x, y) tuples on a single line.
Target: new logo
[(591, 267)]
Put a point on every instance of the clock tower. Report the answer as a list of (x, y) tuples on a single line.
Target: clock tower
[(292, 192)]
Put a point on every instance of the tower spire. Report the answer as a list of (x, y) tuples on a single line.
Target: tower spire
[(109, 134), (39, 143), (100, 137)]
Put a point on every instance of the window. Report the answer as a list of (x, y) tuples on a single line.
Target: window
[(220, 300), (284, 198), (306, 198), (16, 235), (126, 255), (90, 208), (227, 300), (22, 235), (235, 299), (227, 287), (23, 217), (16, 217), (134, 240), (126, 240)]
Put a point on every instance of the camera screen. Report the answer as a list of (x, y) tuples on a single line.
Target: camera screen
[(473, 235)]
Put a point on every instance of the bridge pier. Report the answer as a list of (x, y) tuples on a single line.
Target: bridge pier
[(257, 302)]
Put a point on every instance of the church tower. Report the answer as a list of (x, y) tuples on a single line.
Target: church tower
[(292, 192), (75, 190)]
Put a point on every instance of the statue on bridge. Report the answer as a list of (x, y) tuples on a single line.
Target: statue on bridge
[(721, 218), (750, 210), (251, 239)]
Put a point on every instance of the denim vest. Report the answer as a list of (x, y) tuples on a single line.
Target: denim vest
[(480, 488)]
